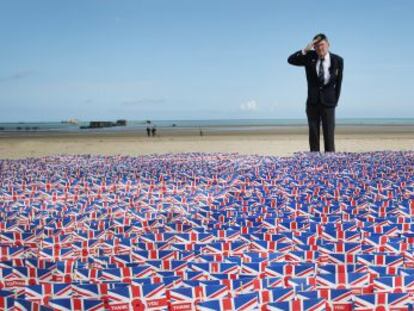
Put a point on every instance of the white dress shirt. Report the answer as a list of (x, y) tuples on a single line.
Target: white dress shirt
[(326, 65)]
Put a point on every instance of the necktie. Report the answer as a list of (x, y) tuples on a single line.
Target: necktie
[(321, 75)]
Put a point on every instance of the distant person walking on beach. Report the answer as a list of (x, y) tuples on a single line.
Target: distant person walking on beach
[(148, 131), (324, 76)]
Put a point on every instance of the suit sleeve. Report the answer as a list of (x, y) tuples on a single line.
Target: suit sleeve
[(298, 59), (340, 75)]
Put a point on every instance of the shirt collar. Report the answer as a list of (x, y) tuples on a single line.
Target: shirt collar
[(327, 58)]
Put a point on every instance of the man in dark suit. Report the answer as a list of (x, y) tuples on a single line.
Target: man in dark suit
[(324, 76)]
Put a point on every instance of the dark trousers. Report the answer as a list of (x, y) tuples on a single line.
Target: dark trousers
[(317, 114)]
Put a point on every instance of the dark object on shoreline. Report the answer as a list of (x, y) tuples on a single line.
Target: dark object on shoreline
[(1, 128), (100, 124), (154, 131), (121, 122), (103, 124), (148, 131), (174, 125)]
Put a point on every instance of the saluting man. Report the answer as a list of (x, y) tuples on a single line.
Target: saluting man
[(324, 75)]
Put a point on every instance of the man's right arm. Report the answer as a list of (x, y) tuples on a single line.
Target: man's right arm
[(298, 58)]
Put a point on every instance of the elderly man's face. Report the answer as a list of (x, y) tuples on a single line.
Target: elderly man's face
[(321, 48)]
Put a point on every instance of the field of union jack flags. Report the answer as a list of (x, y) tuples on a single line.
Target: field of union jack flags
[(200, 231)]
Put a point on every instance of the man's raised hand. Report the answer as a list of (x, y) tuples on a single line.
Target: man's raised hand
[(310, 45)]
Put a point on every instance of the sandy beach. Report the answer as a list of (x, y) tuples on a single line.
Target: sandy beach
[(279, 141)]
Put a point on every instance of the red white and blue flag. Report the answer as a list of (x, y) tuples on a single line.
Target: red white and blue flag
[(204, 231)]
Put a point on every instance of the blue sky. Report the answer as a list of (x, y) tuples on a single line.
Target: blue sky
[(194, 59)]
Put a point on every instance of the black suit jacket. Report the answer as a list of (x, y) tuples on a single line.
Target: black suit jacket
[(328, 94)]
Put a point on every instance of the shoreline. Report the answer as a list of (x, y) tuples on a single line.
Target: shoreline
[(214, 131)]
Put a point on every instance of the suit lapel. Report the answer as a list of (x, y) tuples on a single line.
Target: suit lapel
[(333, 66), (332, 69), (314, 60)]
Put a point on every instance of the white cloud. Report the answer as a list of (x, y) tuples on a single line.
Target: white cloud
[(251, 105)]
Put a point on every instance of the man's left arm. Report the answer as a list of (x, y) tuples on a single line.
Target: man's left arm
[(339, 79)]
